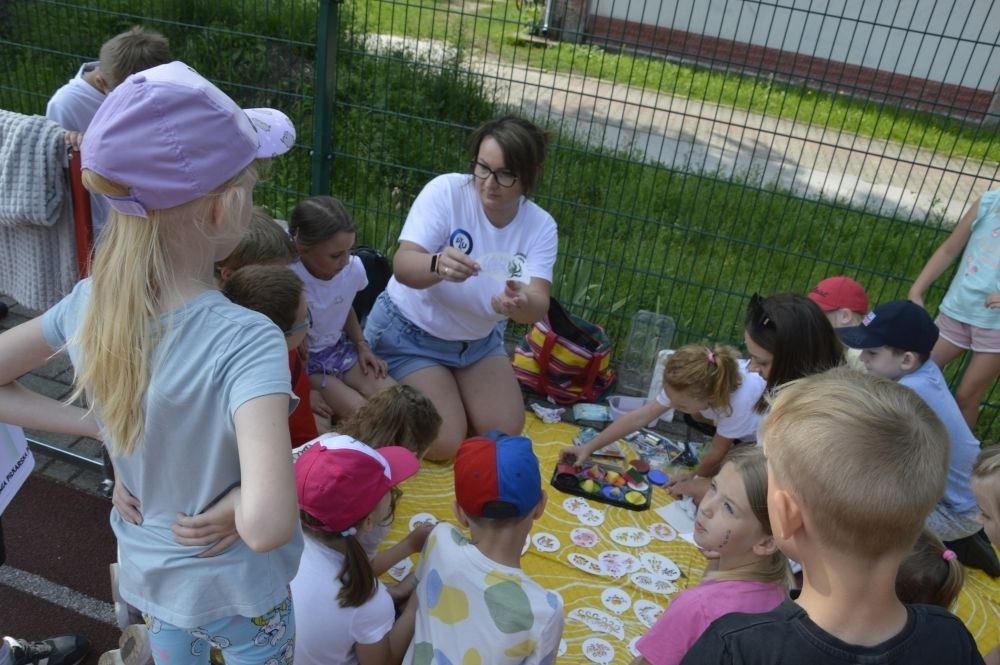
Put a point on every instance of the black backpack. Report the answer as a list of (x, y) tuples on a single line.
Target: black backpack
[(379, 271)]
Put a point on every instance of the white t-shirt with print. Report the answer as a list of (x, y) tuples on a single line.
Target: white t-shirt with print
[(325, 632), (330, 301), (741, 422), (448, 212), (471, 609)]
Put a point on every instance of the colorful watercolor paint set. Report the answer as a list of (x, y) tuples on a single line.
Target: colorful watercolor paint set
[(630, 488)]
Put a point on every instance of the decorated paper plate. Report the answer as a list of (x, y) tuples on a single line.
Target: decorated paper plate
[(660, 565), (616, 564), (574, 505), (401, 570), (583, 537), (545, 542), (591, 517), (647, 612), (598, 651), (616, 599), (421, 518), (662, 531), (587, 564), (630, 536), (653, 583), (598, 621)]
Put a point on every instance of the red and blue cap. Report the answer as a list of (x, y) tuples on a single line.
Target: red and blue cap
[(497, 476)]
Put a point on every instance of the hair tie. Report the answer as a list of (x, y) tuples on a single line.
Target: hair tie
[(710, 354), (948, 555), (349, 532)]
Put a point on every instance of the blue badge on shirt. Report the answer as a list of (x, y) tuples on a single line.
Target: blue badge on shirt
[(461, 240)]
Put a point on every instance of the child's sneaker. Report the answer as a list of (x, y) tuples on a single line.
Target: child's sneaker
[(133, 648), (61, 650)]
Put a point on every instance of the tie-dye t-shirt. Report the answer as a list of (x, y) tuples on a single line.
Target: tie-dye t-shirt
[(472, 610)]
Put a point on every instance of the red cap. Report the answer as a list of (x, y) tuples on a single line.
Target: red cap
[(339, 480), (840, 293)]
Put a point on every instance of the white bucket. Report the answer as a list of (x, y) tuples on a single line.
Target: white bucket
[(622, 404)]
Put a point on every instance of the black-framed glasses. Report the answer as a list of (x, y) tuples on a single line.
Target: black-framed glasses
[(758, 313), (305, 323), (503, 177)]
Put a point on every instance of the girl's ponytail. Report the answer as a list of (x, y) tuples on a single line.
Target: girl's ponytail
[(357, 578), (930, 574), (705, 373)]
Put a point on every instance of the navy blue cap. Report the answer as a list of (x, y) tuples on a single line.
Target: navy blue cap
[(900, 324)]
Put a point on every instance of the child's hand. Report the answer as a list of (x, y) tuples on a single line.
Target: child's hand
[(993, 301), (512, 298), (126, 504), (678, 483), (400, 592), (370, 362), (416, 538), (574, 455), (215, 526)]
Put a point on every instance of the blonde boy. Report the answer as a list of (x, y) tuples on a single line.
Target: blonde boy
[(855, 463), (474, 603)]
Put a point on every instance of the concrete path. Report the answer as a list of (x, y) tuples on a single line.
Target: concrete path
[(811, 161)]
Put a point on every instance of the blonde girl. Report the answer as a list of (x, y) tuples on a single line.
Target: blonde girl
[(397, 416), (346, 616), (746, 572), (191, 392), (341, 365), (707, 382)]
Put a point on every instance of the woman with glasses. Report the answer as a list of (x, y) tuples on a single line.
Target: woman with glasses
[(474, 252)]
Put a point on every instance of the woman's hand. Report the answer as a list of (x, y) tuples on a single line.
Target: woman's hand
[(993, 301), (371, 362), (455, 266), (215, 526), (512, 299)]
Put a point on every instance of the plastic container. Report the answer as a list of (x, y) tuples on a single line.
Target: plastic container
[(648, 333), (622, 404), (656, 383)]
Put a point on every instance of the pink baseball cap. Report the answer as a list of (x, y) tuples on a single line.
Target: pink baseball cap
[(171, 136), (840, 292), (340, 480)]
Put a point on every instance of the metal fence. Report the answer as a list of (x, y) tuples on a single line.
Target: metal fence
[(702, 151)]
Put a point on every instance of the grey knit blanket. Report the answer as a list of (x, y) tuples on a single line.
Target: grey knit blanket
[(37, 244)]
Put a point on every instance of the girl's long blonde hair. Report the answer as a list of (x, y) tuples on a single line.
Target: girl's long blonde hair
[(705, 373), (131, 272), (750, 463)]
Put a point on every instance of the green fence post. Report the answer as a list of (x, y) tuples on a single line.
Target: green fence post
[(327, 36)]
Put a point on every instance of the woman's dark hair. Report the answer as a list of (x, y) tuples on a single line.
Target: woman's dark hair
[(317, 219), (795, 331), (522, 142)]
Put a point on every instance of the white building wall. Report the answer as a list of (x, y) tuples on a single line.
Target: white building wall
[(948, 41)]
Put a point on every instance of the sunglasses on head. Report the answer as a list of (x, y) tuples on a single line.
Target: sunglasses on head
[(758, 313)]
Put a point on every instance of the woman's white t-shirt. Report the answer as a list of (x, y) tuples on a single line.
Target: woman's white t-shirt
[(448, 212)]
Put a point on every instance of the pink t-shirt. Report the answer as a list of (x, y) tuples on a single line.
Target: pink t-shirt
[(687, 617)]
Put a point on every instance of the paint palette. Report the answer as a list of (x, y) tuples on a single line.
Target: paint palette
[(605, 483)]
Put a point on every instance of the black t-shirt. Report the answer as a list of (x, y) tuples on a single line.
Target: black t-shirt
[(786, 635)]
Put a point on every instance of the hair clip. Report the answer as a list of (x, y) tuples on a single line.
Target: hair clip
[(948, 555), (349, 532), (710, 354), (758, 312)]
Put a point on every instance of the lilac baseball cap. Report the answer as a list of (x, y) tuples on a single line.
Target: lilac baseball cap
[(171, 136)]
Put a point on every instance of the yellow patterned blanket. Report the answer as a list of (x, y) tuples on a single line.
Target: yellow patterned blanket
[(606, 614)]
